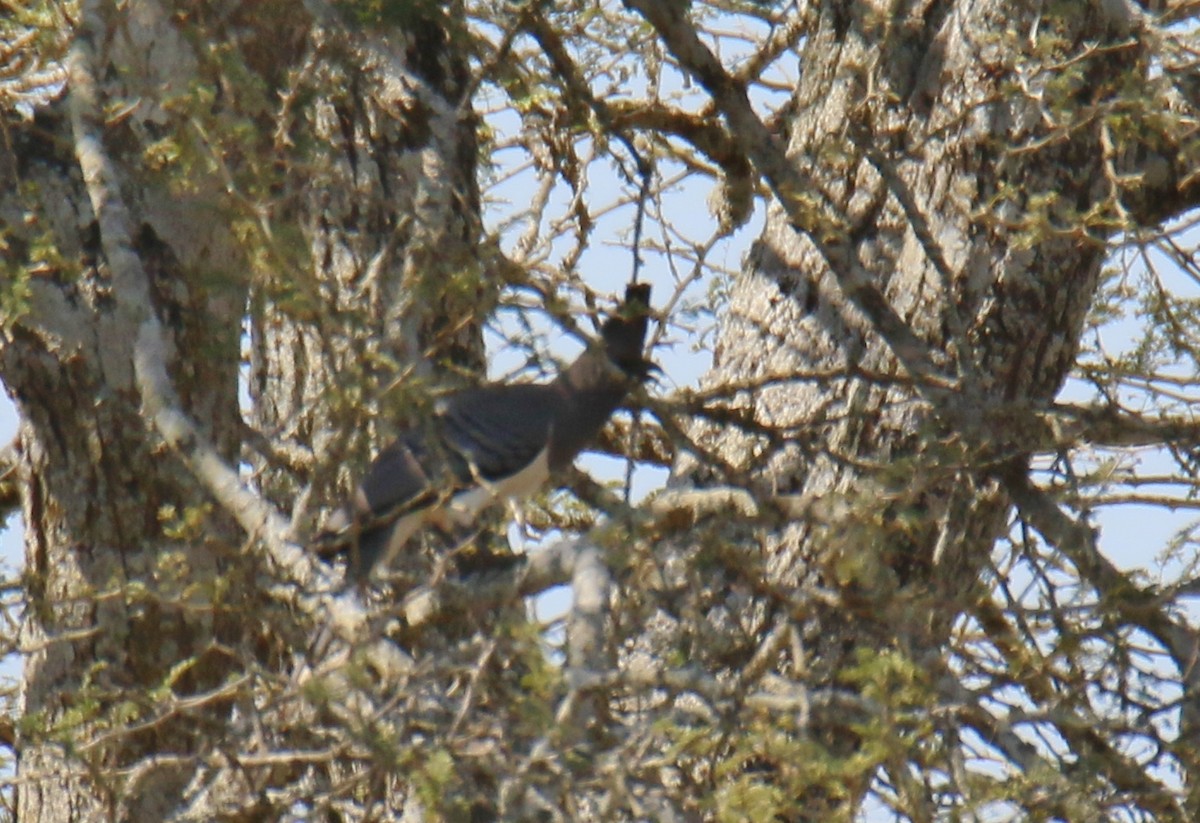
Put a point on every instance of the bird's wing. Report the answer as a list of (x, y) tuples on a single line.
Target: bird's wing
[(460, 459), (498, 430), (400, 477), (482, 434)]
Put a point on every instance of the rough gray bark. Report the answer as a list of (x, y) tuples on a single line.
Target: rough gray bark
[(147, 586), (915, 179), (110, 559), (385, 193)]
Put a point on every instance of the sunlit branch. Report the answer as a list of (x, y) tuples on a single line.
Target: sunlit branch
[(1118, 592), (829, 232)]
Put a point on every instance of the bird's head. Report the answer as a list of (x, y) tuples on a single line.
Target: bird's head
[(624, 334)]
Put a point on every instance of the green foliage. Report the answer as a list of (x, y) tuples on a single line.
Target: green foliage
[(436, 782), (41, 26), (15, 294), (28, 251), (190, 523), (540, 680)]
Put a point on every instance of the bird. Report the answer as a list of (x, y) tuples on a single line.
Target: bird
[(494, 442)]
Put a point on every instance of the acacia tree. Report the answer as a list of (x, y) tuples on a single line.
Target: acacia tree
[(872, 578)]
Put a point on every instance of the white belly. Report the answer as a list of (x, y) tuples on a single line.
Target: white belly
[(464, 508)]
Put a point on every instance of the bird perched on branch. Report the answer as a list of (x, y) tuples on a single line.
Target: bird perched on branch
[(489, 443)]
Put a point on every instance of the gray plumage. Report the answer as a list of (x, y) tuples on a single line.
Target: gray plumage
[(489, 443)]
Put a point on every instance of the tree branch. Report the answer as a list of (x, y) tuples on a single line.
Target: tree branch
[(1118, 592), (1157, 177), (559, 563), (1111, 427), (794, 190)]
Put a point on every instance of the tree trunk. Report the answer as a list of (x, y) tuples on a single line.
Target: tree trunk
[(1005, 314), (957, 195), (136, 582), (393, 289), (145, 585)]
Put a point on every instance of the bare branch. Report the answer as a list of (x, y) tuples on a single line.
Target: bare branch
[(1134, 604), (828, 231)]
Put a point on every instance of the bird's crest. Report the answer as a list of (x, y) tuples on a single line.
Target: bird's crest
[(624, 333)]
